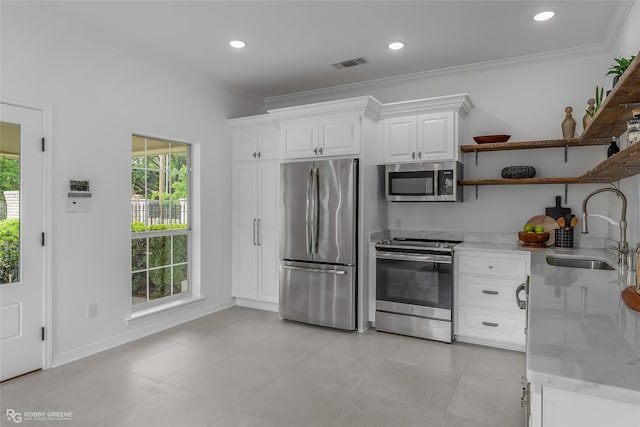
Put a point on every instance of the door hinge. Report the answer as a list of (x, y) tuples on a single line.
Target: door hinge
[(42, 332), (42, 144), (42, 238)]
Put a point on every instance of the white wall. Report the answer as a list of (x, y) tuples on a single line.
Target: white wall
[(99, 97)]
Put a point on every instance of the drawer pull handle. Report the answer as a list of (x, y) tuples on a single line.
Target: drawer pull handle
[(490, 324), (484, 291)]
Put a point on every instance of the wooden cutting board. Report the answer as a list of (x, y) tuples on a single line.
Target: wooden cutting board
[(549, 224)]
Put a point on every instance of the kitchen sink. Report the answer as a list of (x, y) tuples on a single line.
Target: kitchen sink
[(578, 262)]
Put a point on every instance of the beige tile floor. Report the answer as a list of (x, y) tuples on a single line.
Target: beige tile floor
[(243, 367)]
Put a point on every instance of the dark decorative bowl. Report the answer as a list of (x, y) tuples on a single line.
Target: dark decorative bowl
[(488, 139), (518, 172)]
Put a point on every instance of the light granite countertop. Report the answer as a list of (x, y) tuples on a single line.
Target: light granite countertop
[(581, 336)]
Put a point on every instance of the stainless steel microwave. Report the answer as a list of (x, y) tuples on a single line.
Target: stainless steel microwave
[(424, 182)]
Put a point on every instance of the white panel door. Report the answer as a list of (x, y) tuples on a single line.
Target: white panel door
[(245, 146), (244, 231), (399, 139), (435, 137), (21, 287), (268, 261), (269, 145), (339, 136), (300, 139)]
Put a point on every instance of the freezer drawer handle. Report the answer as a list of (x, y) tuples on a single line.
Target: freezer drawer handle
[(490, 324), (313, 270), (484, 291), (395, 256)]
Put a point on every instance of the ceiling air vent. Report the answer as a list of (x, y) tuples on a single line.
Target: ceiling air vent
[(349, 63)]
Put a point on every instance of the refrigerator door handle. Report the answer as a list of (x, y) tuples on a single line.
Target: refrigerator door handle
[(313, 270), (316, 210), (254, 231), (307, 218), (259, 233)]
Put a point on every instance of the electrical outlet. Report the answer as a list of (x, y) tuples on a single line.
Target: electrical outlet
[(92, 310)]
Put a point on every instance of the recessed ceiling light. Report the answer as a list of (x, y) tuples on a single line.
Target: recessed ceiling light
[(238, 44), (396, 45), (544, 16)]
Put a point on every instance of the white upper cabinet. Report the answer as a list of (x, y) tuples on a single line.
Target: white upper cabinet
[(423, 130), (325, 129), (255, 138)]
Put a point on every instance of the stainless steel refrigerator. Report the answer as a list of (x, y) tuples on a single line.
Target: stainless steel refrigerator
[(318, 242)]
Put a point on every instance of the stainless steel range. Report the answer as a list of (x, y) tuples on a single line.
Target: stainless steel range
[(414, 287)]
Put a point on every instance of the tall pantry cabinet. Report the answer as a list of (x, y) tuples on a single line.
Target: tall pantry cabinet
[(256, 191)]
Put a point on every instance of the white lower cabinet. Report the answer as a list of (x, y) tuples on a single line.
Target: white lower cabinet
[(255, 230), (562, 408), (486, 301)]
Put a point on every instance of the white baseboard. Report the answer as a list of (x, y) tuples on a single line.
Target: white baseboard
[(160, 322), (259, 305)]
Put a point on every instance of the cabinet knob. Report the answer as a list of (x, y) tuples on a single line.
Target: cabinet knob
[(259, 154), (320, 150), (413, 154), (490, 267), (315, 151), (419, 154), (254, 154)]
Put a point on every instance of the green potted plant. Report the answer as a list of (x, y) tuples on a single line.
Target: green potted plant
[(619, 67), (594, 105)]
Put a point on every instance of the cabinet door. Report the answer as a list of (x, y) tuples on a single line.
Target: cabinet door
[(339, 136), (269, 145), (436, 137), (268, 262), (245, 146), (299, 139), (244, 231), (399, 139)]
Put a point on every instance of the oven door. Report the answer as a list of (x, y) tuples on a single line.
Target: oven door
[(415, 284)]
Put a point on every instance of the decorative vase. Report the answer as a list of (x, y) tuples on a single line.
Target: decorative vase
[(588, 114), (613, 148), (568, 124)]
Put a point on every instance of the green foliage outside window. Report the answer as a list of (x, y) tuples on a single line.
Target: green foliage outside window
[(9, 250)]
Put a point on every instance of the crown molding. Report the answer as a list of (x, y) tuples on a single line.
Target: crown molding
[(390, 81), (365, 105), (618, 19), (261, 121), (460, 103)]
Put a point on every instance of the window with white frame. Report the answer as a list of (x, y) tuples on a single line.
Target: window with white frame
[(160, 230)]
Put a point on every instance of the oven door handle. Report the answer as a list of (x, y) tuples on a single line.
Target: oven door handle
[(395, 256)]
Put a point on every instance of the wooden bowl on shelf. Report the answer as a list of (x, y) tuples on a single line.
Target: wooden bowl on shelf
[(537, 240), (489, 139)]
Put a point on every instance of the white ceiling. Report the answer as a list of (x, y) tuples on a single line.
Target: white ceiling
[(291, 44)]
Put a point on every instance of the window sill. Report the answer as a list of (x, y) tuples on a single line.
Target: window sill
[(151, 312)]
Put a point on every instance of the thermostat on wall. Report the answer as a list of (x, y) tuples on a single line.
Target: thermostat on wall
[(79, 188)]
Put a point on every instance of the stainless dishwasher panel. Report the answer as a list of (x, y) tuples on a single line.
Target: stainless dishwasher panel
[(320, 294)]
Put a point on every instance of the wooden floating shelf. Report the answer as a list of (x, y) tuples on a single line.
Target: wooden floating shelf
[(528, 145), (610, 120), (520, 181)]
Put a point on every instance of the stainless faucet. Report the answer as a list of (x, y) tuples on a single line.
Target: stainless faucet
[(623, 246)]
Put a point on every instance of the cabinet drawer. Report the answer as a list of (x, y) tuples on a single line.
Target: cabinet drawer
[(505, 327), (488, 292), (495, 266)]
